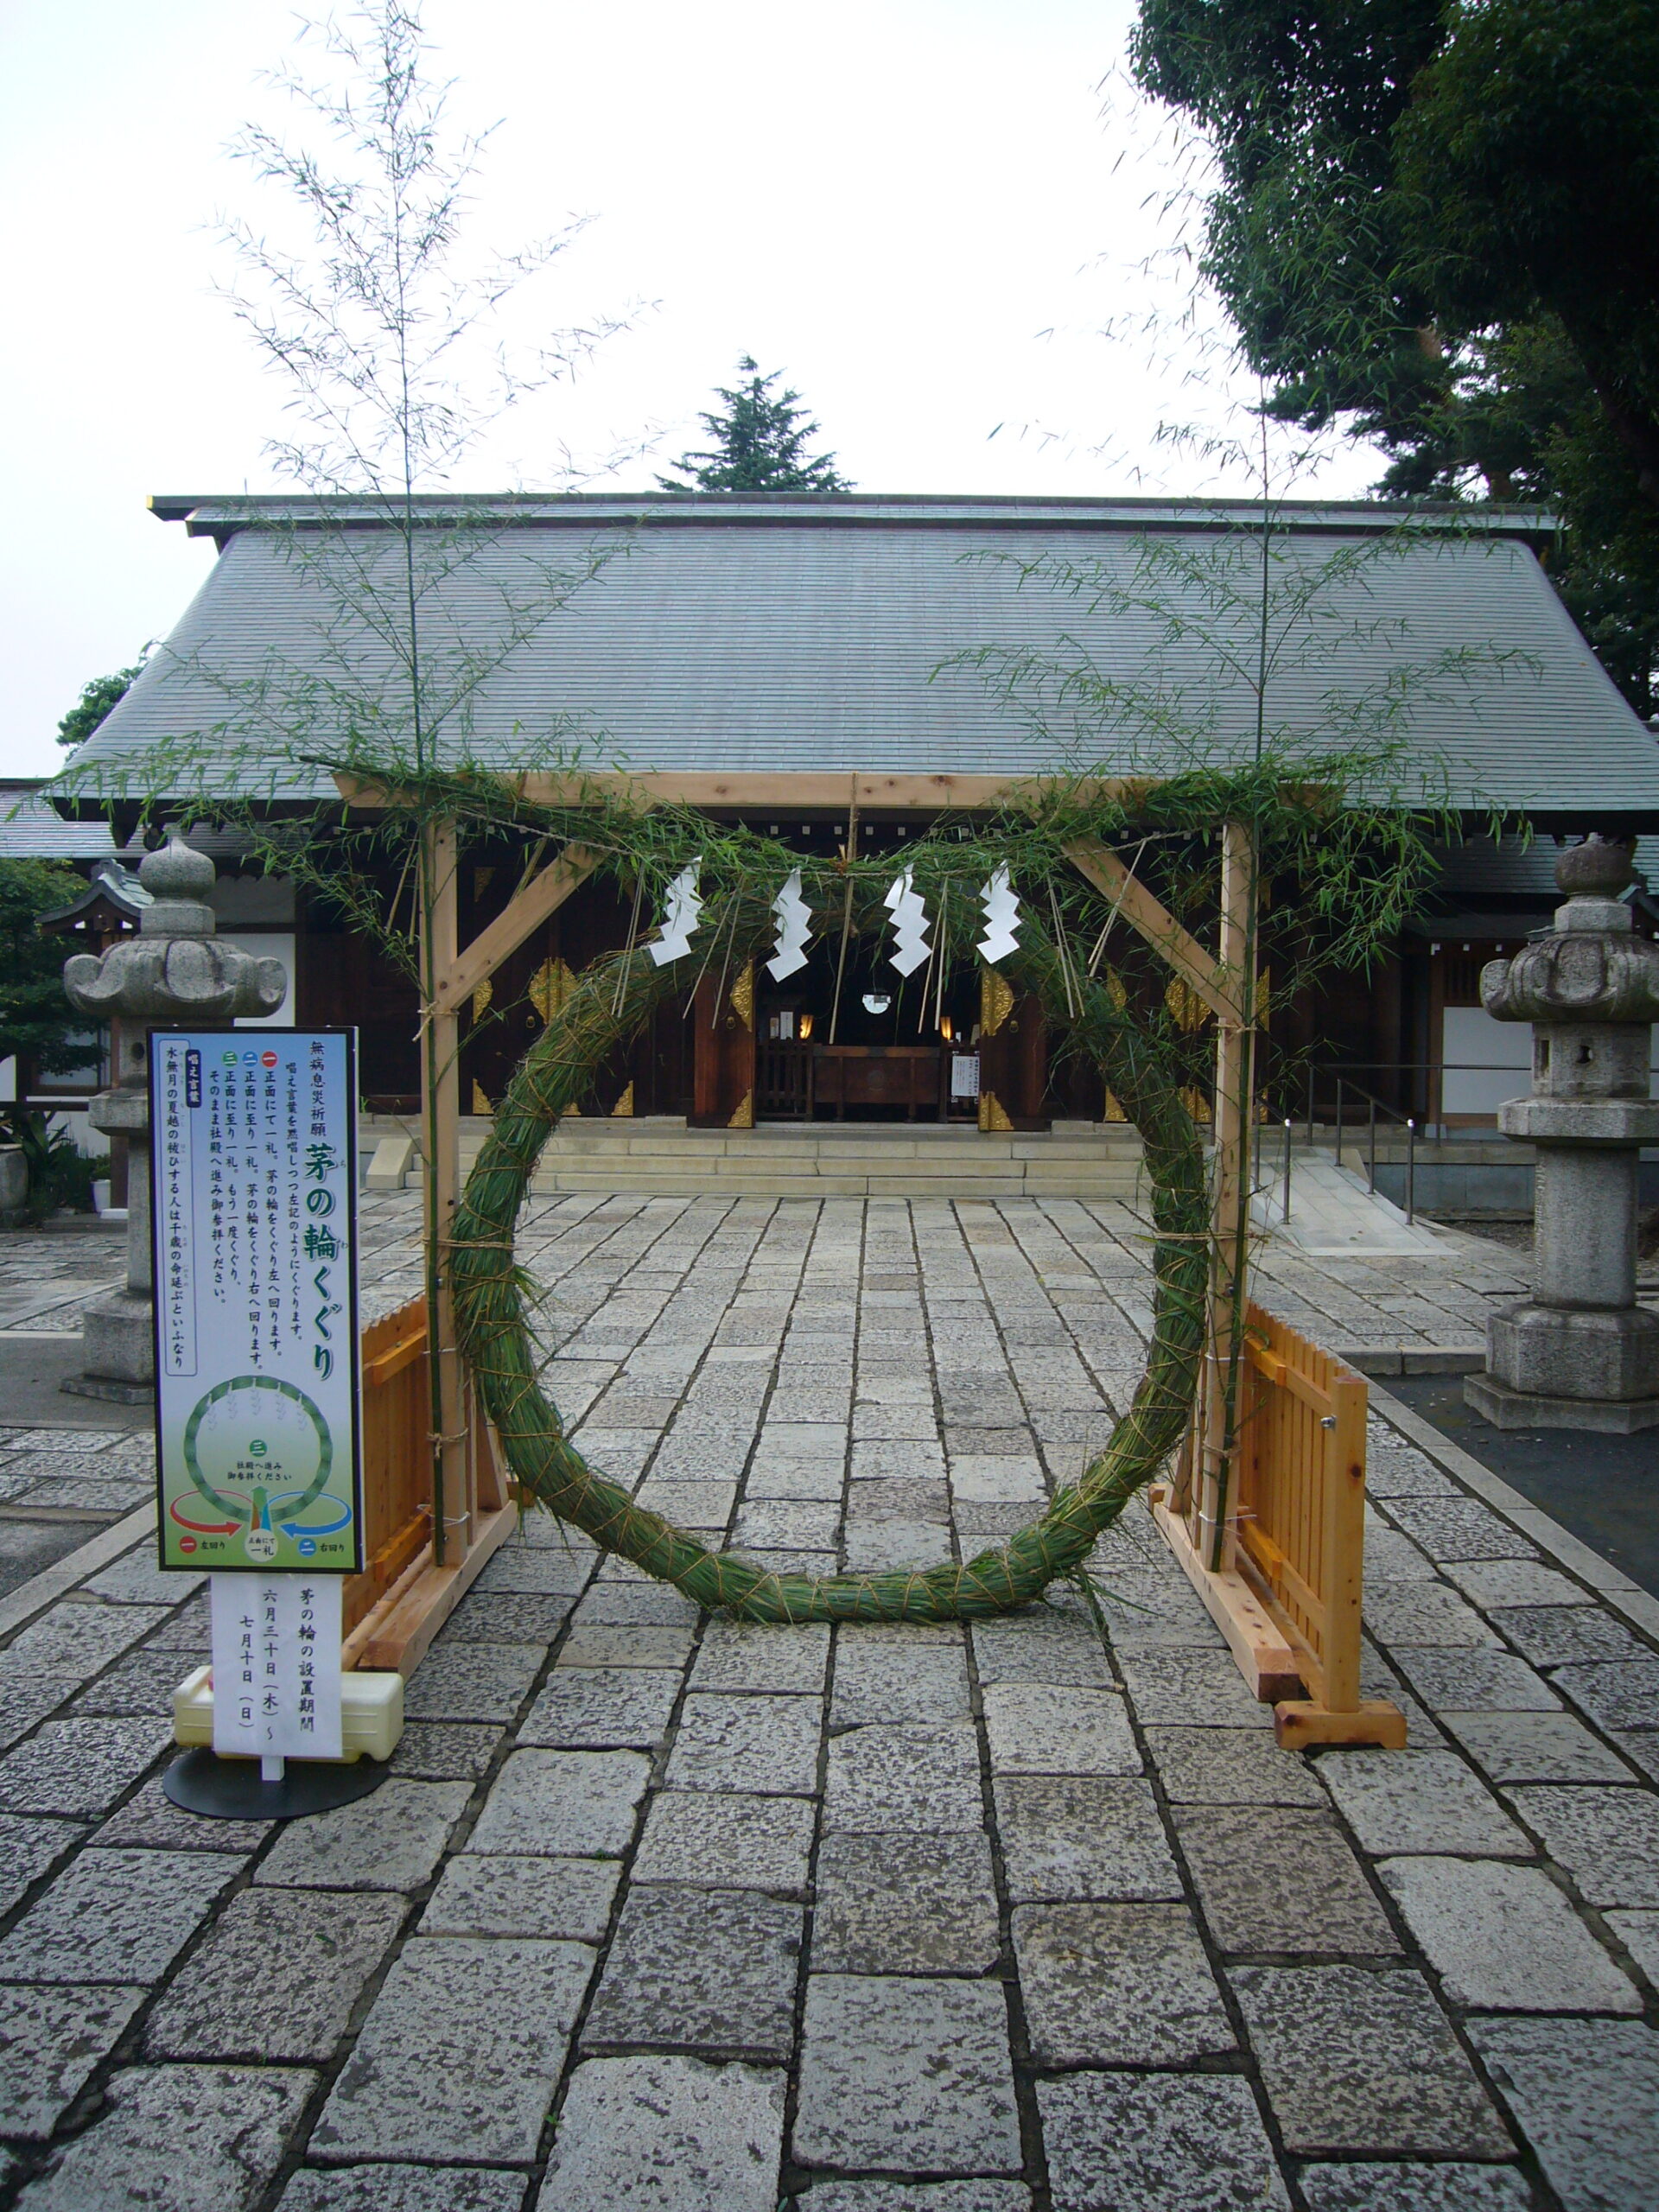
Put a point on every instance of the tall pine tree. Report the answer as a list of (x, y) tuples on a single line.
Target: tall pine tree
[(757, 444)]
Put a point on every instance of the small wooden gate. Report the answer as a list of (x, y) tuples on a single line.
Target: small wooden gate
[(396, 1418), (1288, 1591)]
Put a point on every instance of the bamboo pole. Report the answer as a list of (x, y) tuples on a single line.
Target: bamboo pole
[(453, 1506), (1235, 1089)]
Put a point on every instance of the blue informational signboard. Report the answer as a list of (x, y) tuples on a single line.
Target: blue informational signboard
[(253, 1194)]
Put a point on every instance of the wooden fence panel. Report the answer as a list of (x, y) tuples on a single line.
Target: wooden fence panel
[(1289, 1588)]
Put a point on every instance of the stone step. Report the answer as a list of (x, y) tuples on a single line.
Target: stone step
[(675, 1183)]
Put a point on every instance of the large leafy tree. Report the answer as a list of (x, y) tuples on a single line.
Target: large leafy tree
[(757, 443), (1435, 224), (97, 699), (36, 1020)]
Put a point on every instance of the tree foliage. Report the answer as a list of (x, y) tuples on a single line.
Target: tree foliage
[(1434, 224), (96, 701), (758, 443), (36, 1020)]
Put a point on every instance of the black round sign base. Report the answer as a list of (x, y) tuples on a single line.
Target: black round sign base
[(231, 1789)]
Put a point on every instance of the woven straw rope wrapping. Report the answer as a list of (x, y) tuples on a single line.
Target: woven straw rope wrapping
[(611, 1001)]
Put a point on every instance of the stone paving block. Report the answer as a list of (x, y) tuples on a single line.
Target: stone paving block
[(981, 1477), (1418, 1800), (879, 1676), (787, 1475), (1424, 1613), (1190, 2143), (1073, 1836), (150, 1820), (30, 1849), (76, 1640), (907, 1904), (726, 1839), (1639, 1933), (533, 1570), (1584, 2093), (488, 1894), (1475, 1682), (1038, 1728), (785, 1524), (906, 2074), (277, 1977), (601, 1645), (887, 1546), (878, 1461), (389, 1840), (598, 1707), (1116, 1985), (78, 1494), (1606, 1839), (472, 1682), (563, 1805), (1195, 1689), (50, 2041), (916, 2197), (618, 1600), (1365, 2063), (1406, 2187), (1229, 1766), (188, 1629), (1505, 1938), (116, 1916), (1615, 1694), (1279, 1879), (749, 1656), (700, 1970), (445, 1750), (916, 1778), (1535, 1747), (192, 2139), (506, 1617), (1515, 1582), (79, 1768), (26, 1698), (899, 1497), (1458, 1528), (1043, 1644), (757, 1743), (458, 2058), (1560, 1636), (403, 2189), (670, 2132), (1403, 1474), (1392, 1557), (141, 1684), (135, 1580)]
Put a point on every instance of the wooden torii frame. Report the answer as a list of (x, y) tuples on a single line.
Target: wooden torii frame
[(472, 1525)]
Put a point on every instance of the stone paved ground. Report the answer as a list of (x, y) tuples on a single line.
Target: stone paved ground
[(664, 1910)]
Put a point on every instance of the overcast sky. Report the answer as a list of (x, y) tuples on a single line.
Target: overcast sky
[(918, 208)]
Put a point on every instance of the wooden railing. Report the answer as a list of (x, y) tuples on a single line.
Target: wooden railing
[(1288, 1590), (396, 1418)]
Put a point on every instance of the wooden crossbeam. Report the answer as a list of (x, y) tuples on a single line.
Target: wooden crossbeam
[(1145, 914), (810, 791), (543, 895)]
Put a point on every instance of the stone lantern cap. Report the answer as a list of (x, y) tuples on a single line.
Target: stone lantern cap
[(174, 969), (1591, 968)]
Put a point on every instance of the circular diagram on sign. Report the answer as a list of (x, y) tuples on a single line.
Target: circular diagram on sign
[(259, 1453)]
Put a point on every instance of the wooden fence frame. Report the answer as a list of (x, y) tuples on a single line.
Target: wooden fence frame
[(396, 1607), (1287, 1595)]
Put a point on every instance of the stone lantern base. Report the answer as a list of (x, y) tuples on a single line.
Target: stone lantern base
[(1550, 1367), (117, 1336)]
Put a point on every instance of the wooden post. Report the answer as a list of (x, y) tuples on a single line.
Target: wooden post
[(1235, 1091), (454, 1506)]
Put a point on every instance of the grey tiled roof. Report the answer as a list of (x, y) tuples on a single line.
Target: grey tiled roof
[(31, 829), (740, 634)]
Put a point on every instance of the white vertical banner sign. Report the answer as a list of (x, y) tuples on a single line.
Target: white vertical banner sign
[(277, 1666), (254, 1199)]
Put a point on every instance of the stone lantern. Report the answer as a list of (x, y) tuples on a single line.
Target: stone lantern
[(174, 974), (1580, 1353)]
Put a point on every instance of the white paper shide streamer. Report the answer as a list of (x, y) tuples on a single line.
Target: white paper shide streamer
[(794, 926), (1001, 919), (682, 910), (911, 947)]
